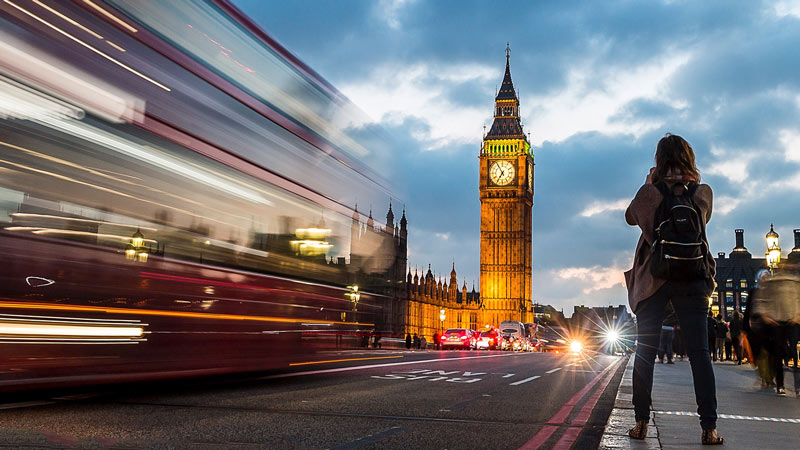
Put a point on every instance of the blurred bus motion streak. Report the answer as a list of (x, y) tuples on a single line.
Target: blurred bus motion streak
[(175, 188)]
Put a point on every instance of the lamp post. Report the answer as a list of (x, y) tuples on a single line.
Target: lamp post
[(442, 316), (773, 254), (354, 296)]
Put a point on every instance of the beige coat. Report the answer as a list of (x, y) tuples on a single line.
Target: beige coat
[(641, 212)]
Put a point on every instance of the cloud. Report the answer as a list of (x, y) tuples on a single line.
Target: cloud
[(784, 8), (790, 139), (725, 204), (601, 207), (443, 236), (594, 278), (390, 10), (595, 92), (392, 93)]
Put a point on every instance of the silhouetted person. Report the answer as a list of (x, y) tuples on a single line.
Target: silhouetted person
[(408, 340), (736, 335), (711, 324)]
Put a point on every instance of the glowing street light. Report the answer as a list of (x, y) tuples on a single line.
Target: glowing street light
[(136, 249), (354, 296), (773, 253), (442, 316)]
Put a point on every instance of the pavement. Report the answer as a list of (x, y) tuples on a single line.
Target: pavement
[(749, 417)]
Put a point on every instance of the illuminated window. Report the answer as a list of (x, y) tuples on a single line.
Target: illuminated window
[(729, 283), (743, 284), (728, 298)]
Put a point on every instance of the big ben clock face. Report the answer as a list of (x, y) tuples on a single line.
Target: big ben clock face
[(501, 173)]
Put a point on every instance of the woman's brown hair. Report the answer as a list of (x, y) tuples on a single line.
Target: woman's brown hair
[(675, 155)]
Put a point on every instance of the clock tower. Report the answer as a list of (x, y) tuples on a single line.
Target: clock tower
[(506, 193)]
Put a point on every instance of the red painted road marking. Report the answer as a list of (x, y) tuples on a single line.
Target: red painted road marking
[(560, 417), (588, 407), (541, 437), (565, 410), (568, 438)]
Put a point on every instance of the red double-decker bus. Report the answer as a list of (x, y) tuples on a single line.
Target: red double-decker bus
[(174, 186)]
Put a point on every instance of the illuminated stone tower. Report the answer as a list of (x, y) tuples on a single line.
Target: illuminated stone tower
[(506, 192)]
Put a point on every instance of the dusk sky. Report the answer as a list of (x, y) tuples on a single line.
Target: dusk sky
[(599, 83)]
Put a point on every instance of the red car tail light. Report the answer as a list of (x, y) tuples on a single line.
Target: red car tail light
[(463, 338), (444, 338)]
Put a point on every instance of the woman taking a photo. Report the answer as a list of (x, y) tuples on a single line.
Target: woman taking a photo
[(673, 264)]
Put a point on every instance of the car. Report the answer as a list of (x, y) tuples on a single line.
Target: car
[(535, 345), (511, 341), (514, 334), (487, 340), (460, 338)]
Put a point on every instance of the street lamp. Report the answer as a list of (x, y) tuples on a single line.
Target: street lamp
[(354, 296), (442, 316), (773, 253)]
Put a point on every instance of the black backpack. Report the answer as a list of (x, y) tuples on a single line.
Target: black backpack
[(679, 247)]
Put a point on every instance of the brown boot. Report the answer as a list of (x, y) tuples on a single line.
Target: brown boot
[(639, 431), (711, 437)]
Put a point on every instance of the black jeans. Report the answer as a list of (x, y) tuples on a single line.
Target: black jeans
[(691, 305)]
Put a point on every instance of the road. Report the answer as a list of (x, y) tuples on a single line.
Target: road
[(343, 400)]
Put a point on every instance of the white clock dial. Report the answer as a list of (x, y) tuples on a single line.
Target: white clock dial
[(501, 173)]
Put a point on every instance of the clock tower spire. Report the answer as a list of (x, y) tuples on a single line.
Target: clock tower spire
[(506, 194)]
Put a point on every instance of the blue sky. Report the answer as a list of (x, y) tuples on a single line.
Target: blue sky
[(599, 84)]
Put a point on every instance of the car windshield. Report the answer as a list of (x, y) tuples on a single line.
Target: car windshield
[(486, 334), (510, 330), (455, 331)]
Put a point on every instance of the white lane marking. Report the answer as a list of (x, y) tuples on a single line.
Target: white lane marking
[(517, 383), (373, 366), (731, 416), (554, 370), (508, 375)]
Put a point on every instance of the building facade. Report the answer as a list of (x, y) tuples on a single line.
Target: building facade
[(738, 274), (506, 195), (429, 300)]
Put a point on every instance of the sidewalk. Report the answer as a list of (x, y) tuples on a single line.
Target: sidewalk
[(749, 417)]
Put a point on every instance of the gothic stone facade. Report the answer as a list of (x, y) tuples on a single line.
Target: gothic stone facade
[(506, 194)]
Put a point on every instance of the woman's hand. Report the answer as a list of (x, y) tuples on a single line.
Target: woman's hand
[(649, 179)]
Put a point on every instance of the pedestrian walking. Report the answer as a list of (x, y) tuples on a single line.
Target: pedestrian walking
[(408, 341), (776, 308), (436, 342), (415, 343), (711, 325), (672, 207), (728, 343), (719, 344), (677, 343), (736, 335), (665, 341)]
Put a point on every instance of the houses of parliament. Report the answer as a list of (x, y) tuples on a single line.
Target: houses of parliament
[(420, 300)]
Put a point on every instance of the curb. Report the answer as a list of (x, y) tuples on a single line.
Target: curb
[(622, 418)]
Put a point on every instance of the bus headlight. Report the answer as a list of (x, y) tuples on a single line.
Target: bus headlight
[(576, 346), (612, 336)]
